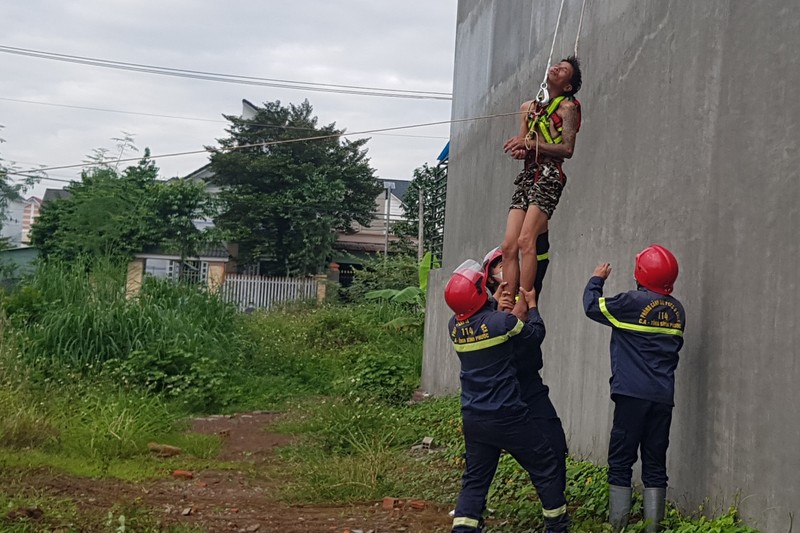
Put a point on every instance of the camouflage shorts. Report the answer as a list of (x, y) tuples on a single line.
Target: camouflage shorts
[(543, 193)]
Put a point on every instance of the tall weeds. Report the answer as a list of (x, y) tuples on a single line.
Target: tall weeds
[(75, 320)]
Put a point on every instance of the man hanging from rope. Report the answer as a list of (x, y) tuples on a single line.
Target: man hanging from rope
[(548, 127)]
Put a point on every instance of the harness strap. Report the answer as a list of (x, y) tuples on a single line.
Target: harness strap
[(540, 120)]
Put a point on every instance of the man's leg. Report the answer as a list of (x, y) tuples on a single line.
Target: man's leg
[(481, 462), (554, 431), (535, 223), (542, 247), (522, 438), (510, 248), (655, 441), (543, 199), (626, 433)]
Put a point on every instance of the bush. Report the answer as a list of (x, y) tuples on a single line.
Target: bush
[(23, 306), (23, 420), (387, 377), (330, 350), (392, 272), (107, 424), (173, 339)]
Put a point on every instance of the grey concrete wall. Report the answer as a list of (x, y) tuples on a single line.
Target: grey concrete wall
[(690, 139)]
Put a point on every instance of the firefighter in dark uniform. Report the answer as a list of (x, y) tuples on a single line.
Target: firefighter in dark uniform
[(646, 336), (494, 416), (528, 359)]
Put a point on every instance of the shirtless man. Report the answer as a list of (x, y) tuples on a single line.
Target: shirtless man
[(546, 138)]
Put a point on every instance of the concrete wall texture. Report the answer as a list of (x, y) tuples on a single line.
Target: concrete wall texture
[(690, 133)]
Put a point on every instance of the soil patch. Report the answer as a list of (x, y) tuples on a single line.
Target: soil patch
[(230, 500), (245, 436)]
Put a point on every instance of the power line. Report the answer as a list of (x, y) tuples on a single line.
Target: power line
[(230, 78), (264, 144), (175, 117)]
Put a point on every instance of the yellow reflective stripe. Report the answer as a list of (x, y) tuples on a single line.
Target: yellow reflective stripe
[(542, 257), (554, 513), (516, 329), (543, 121), (464, 521), (480, 345), (636, 327), (544, 127), (488, 343), (554, 104)]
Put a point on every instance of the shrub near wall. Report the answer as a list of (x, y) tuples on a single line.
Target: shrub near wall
[(342, 350)]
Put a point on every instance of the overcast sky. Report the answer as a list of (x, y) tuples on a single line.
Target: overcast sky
[(400, 45)]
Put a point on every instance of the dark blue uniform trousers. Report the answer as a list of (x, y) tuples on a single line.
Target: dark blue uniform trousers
[(552, 429), (485, 436), (639, 424)]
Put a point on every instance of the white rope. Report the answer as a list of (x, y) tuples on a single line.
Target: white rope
[(580, 25), (544, 95)]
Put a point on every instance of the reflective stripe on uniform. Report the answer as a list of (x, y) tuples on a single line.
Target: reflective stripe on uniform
[(542, 257), (636, 327), (516, 329), (554, 513), (488, 343), (467, 522)]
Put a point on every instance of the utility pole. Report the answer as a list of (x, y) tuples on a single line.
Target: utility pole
[(389, 186), (420, 228)]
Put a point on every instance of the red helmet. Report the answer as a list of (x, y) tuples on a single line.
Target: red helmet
[(488, 260), (656, 269), (465, 293)]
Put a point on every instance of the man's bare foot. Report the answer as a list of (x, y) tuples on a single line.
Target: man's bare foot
[(520, 309)]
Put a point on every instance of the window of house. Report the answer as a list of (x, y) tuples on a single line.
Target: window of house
[(190, 271), (159, 268)]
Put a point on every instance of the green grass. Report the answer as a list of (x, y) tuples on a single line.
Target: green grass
[(61, 514), (57, 512)]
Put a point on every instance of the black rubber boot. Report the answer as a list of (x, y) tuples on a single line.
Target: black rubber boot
[(557, 525), (655, 505), (619, 506)]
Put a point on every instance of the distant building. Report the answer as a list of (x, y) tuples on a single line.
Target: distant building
[(20, 216)]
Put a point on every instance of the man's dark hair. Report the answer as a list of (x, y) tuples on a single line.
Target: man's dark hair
[(577, 77)]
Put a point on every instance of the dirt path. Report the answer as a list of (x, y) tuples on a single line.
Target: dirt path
[(246, 500)]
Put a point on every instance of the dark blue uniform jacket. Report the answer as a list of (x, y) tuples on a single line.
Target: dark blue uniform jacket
[(483, 343), (646, 336)]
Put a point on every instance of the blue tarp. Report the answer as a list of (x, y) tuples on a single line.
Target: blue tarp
[(445, 155)]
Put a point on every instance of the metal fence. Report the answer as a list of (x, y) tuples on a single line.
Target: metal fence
[(263, 292), (437, 208)]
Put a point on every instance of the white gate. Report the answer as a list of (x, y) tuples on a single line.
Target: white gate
[(264, 292)]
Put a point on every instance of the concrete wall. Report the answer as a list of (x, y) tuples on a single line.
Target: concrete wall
[(689, 139)]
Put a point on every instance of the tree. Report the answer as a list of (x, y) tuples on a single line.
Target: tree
[(177, 205), (426, 179), (118, 214), (284, 199)]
